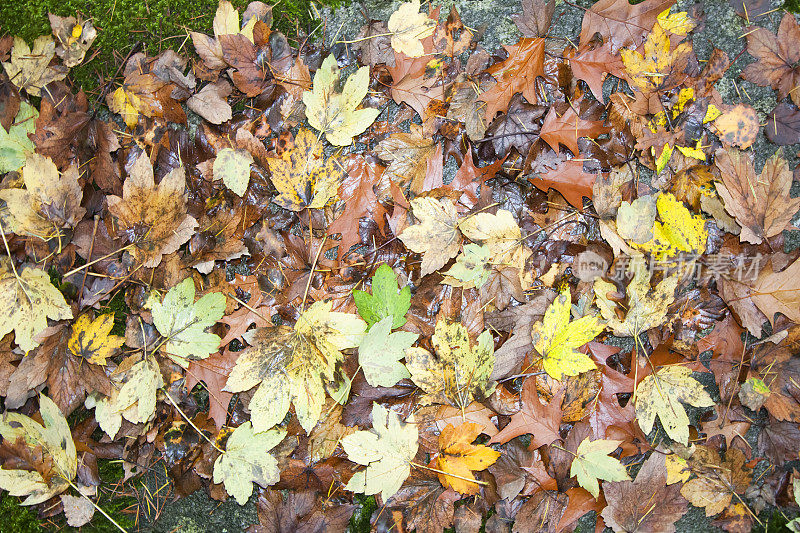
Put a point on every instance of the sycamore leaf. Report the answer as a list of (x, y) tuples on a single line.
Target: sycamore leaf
[(407, 155), (436, 235), (458, 457), (679, 231), (49, 203), (27, 302), (380, 352), (592, 462), (152, 217), (183, 322), (408, 27), (678, 23), (647, 307), (471, 268), (500, 233), (134, 397), (556, 339), (460, 372), (335, 114), (386, 450), (29, 69), (762, 204), (302, 177), (233, 167), (719, 482), (292, 365), (386, 299), (659, 395), (246, 461), (653, 69), (14, 143), (90, 339), (57, 445), (635, 220)]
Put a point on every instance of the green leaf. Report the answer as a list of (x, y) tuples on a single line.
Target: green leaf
[(386, 299), (246, 461), (380, 352), (183, 322), (386, 450), (14, 143), (592, 462), (57, 444), (471, 268), (233, 167), (335, 114)]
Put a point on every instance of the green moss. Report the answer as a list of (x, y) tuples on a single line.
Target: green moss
[(16, 518), (792, 5), (121, 24)]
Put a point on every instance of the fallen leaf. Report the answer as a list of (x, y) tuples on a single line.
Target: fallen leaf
[(182, 322), (623, 24), (542, 421), (232, 166), (15, 146), (631, 503), (335, 114), (459, 372), (380, 352), (567, 127), (74, 39), (303, 178), (517, 74), (436, 235), (28, 300), (387, 451), (152, 217), (717, 481), (738, 126), (660, 394), (55, 440), (556, 339), (211, 102), (386, 300), (408, 27), (762, 204), (90, 339), (29, 68), (458, 457), (245, 461), (291, 365), (783, 125), (777, 60), (591, 462)]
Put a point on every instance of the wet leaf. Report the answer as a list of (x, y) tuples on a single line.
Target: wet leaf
[(458, 457)]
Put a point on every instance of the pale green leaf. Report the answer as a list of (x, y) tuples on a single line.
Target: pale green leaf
[(14, 143), (233, 168), (386, 450), (183, 322), (246, 461), (592, 462), (380, 352)]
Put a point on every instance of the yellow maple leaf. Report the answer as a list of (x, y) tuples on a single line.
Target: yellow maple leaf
[(458, 457), (90, 339), (333, 113), (647, 72), (500, 233), (303, 177), (678, 23), (556, 339), (292, 365), (679, 230)]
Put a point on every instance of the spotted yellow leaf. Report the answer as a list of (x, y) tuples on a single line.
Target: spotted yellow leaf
[(660, 395), (679, 230), (291, 365), (90, 339), (303, 178), (436, 235), (556, 339)]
